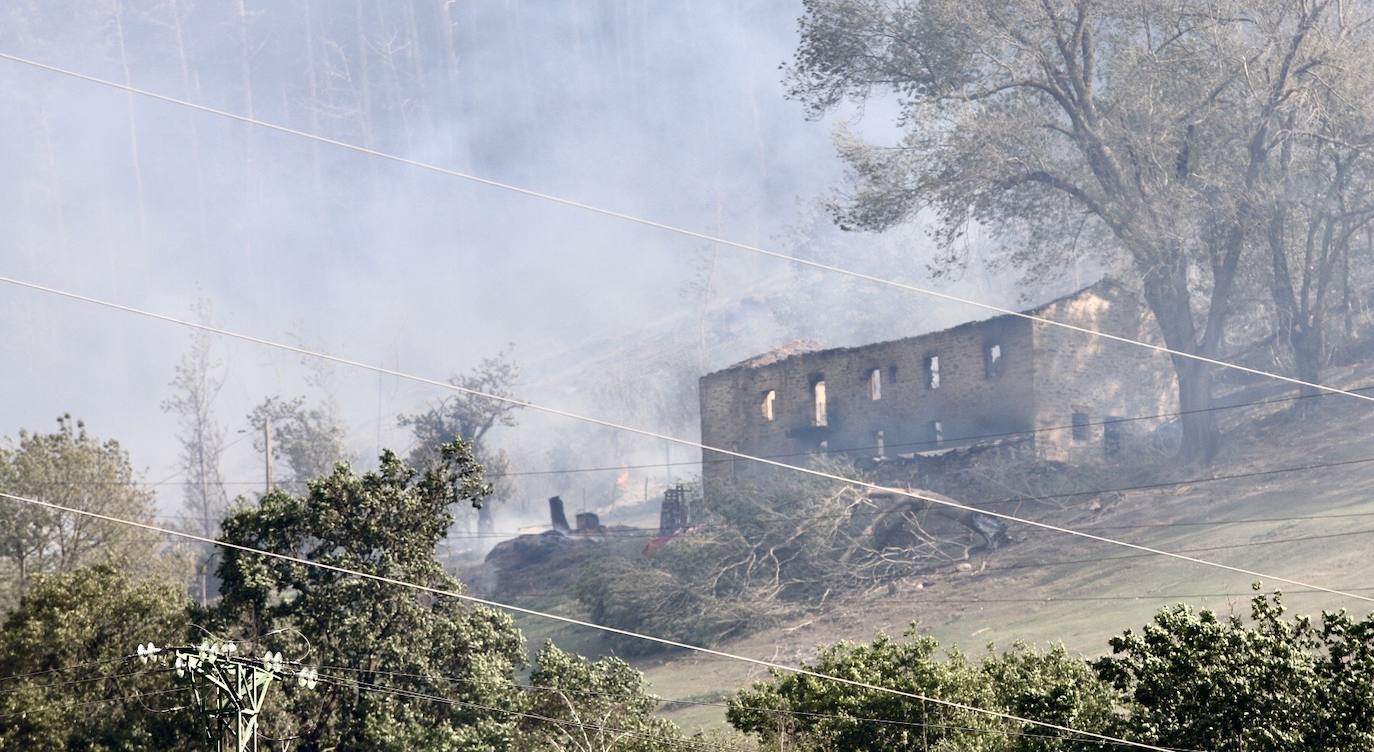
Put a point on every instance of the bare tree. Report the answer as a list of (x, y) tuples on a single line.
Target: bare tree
[(1135, 132), (196, 385), (1319, 203)]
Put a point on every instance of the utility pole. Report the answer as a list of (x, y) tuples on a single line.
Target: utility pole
[(229, 691), (267, 441)]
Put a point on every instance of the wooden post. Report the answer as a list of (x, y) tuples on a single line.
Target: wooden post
[(267, 441)]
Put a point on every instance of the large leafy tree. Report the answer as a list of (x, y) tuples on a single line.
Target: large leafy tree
[(69, 683), (818, 714), (1136, 133), (386, 522), (1200, 681), (75, 469), (591, 706)]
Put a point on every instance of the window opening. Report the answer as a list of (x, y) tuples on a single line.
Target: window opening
[(875, 384), (1111, 438), (769, 397), (880, 443), (937, 433), (993, 360), (818, 396), (933, 371), (1080, 426)]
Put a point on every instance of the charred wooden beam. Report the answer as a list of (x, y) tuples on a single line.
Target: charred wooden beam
[(558, 519)]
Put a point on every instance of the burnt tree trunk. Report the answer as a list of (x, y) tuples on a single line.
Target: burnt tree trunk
[(1200, 437), (1166, 292)]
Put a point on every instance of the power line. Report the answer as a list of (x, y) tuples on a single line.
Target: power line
[(809, 453), (1141, 597), (410, 694), (699, 703), (776, 711), (60, 669), (578, 622), (248, 120), (653, 532), (1108, 598), (951, 443), (1100, 559), (932, 499), (1199, 549), (947, 442), (536, 688), (84, 680), (98, 701), (1243, 521)]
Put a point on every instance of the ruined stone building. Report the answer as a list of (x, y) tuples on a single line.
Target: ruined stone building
[(1037, 390)]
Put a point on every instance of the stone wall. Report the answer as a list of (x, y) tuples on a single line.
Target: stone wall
[(1098, 379), (1047, 380), (975, 400), (1055, 392)]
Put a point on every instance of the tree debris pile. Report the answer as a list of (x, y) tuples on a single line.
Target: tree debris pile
[(761, 554)]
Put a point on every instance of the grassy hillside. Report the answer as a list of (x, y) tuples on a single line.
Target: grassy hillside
[(1048, 587)]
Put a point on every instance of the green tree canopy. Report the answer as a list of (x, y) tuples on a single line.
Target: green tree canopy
[(69, 683), (825, 715), (596, 706), (1200, 681), (1188, 680), (75, 469), (386, 522)]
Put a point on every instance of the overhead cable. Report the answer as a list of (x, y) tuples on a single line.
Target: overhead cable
[(573, 203), (773, 711), (953, 442), (97, 701), (937, 500), (577, 622)]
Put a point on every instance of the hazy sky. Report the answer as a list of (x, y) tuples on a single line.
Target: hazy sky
[(671, 111)]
